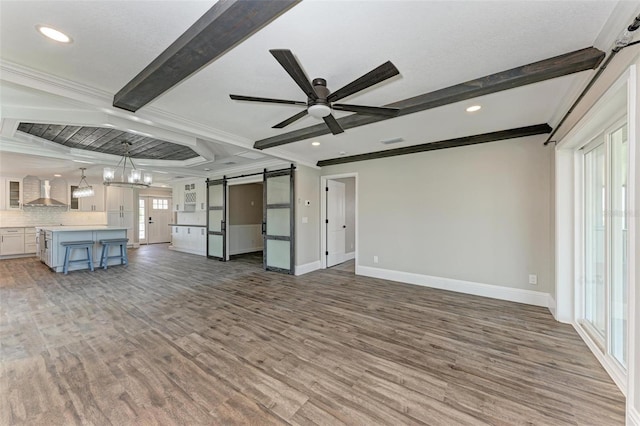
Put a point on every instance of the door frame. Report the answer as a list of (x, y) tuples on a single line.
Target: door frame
[(323, 216), (239, 181)]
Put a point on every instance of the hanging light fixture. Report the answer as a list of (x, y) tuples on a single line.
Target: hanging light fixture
[(83, 189), (135, 178)]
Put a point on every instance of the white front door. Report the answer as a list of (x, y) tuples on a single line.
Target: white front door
[(155, 214), (336, 222)]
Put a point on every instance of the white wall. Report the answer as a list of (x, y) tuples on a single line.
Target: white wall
[(307, 187), (479, 213)]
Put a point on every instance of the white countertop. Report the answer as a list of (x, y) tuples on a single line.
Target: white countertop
[(80, 228)]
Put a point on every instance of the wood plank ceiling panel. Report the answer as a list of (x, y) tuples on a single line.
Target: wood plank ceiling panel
[(108, 141)]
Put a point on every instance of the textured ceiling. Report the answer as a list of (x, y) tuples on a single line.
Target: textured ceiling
[(108, 141)]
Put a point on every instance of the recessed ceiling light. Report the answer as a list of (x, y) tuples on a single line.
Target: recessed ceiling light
[(316, 143), (53, 34), (474, 108), (57, 175), (342, 153), (207, 169)]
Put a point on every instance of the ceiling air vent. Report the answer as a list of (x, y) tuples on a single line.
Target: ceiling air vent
[(391, 141)]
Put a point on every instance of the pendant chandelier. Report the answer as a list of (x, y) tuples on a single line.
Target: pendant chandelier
[(135, 178), (83, 189)]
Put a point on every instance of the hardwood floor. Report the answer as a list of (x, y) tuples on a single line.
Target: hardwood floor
[(175, 338)]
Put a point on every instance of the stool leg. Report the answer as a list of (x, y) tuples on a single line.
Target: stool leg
[(90, 257), (105, 255), (65, 267)]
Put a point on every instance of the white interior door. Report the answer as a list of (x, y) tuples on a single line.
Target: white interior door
[(336, 222)]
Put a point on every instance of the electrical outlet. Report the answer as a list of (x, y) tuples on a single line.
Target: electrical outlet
[(375, 259), (533, 279)]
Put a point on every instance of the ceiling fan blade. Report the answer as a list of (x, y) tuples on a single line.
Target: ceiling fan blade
[(383, 72), (332, 124), (361, 109), (290, 120), (267, 100), (293, 68)]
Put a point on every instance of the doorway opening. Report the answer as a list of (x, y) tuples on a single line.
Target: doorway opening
[(245, 211), (339, 222)]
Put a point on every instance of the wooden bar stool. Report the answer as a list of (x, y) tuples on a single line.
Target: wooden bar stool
[(106, 244), (72, 245)]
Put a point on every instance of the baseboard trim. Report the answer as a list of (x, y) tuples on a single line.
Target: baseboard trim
[(552, 307), (307, 267), (529, 297), (246, 250), (349, 256), (183, 250), (633, 417)]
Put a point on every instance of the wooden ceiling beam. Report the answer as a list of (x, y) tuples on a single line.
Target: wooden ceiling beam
[(569, 63), (519, 132), (220, 29)]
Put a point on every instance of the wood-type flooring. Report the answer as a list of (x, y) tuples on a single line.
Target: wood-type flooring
[(175, 338)]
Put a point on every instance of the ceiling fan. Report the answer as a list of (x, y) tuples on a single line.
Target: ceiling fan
[(320, 101)]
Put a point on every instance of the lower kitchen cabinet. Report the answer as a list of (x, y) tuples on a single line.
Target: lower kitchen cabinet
[(189, 239), (18, 241), (11, 241)]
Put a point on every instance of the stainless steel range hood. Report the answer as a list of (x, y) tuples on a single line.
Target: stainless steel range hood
[(31, 184)]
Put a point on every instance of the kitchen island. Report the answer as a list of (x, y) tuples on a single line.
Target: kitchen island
[(51, 253)]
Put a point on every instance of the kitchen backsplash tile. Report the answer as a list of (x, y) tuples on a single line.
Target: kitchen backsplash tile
[(50, 216)]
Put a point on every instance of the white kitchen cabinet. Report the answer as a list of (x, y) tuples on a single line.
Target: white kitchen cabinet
[(11, 241), (189, 239), (120, 204), (201, 196), (30, 246), (177, 195), (120, 199), (11, 191)]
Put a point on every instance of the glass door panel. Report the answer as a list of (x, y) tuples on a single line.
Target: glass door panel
[(278, 222), (618, 241), (216, 219), (279, 254), (594, 296), (278, 226)]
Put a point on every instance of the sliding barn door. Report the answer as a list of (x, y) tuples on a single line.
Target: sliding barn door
[(279, 221), (217, 219)]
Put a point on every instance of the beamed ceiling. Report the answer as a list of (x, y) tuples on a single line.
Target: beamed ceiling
[(161, 75), (108, 141)]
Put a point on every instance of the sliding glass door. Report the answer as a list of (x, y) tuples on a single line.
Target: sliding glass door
[(594, 294), (605, 241)]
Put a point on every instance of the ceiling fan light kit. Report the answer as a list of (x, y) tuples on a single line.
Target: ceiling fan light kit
[(320, 101), (319, 110)]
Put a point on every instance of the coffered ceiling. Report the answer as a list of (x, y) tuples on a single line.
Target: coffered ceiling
[(434, 45)]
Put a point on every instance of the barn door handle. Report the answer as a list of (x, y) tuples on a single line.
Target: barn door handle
[(264, 227)]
